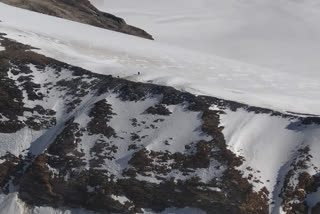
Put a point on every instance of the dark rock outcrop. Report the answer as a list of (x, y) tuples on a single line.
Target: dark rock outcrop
[(74, 169)]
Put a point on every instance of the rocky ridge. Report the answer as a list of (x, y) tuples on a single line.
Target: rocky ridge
[(106, 144)]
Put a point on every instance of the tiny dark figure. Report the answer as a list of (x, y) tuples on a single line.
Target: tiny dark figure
[(139, 73)]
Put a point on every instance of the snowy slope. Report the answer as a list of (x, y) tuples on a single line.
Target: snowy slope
[(111, 53), (90, 126), (277, 34), (272, 144), (269, 145)]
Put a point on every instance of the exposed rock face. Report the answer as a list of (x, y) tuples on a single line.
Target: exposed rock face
[(109, 146), (106, 122), (81, 11)]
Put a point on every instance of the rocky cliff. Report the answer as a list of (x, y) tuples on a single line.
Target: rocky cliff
[(73, 138), (110, 145)]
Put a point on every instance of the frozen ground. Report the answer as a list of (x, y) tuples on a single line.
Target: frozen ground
[(125, 56)]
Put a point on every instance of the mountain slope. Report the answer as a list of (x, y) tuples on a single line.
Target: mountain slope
[(81, 11), (121, 55), (76, 141), (276, 34), (107, 144)]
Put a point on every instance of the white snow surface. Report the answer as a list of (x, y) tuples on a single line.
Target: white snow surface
[(2, 48), (108, 52), (269, 144), (279, 34), (10, 204), (17, 143)]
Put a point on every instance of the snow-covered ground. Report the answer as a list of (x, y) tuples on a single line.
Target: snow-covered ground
[(109, 52), (269, 144), (278, 34)]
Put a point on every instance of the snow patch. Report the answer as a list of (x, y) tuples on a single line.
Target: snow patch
[(10, 204), (121, 199), (18, 143), (267, 40)]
